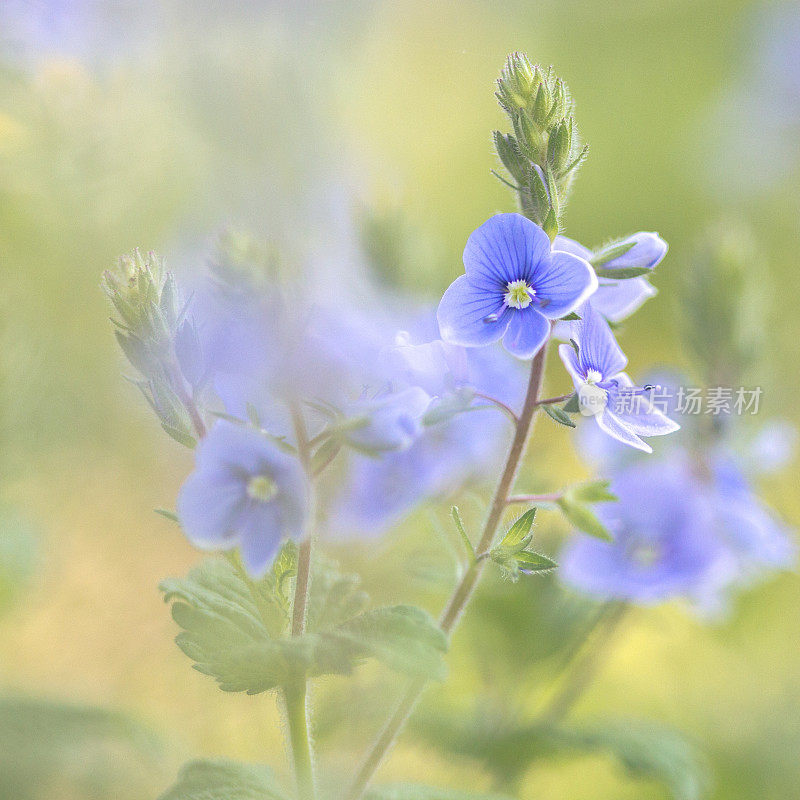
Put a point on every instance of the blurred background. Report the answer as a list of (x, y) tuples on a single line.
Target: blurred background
[(356, 131)]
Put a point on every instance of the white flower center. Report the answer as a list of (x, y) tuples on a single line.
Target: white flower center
[(519, 294), (593, 376), (592, 399), (261, 488)]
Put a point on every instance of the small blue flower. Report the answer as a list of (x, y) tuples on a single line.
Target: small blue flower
[(604, 390), (391, 421), (243, 493), (663, 544), (513, 286), (618, 299)]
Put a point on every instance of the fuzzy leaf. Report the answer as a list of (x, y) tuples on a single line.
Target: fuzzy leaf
[(234, 628), (520, 531), (220, 779), (583, 518)]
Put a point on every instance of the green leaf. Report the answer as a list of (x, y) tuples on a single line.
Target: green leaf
[(234, 628), (405, 638), (220, 779), (623, 273), (412, 791), (456, 515), (530, 562), (180, 436), (53, 749), (519, 534), (571, 317), (167, 514), (561, 417), (583, 518), (572, 406), (594, 492), (610, 253)]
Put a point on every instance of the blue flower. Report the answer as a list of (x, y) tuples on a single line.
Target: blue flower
[(513, 286), (378, 493), (391, 421), (243, 493), (604, 390), (663, 547), (618, 299)]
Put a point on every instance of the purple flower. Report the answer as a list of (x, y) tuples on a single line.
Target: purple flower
[(618, 299), (514, 284), (663, 544), (604, 390), (243, 493)]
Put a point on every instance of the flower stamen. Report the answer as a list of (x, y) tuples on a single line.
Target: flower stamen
[(519, 294), (261, 488)]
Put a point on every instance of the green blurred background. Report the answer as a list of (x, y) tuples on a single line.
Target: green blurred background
[(297, 121)]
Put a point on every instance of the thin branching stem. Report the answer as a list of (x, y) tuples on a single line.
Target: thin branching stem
[(466, 586)]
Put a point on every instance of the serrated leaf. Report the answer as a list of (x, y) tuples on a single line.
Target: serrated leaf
[(561, 417), (583, 518), (412, 791), (234, 629), (220, 779), (520, 531)]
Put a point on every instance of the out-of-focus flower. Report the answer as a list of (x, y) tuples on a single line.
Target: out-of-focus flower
[(391, 421), (617, 299), (462, 448), (604, 390), (663, 544), (513, 286), (243, 493)]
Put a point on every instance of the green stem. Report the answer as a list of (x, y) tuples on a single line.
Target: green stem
[(466, 586), (299, 739), (296, 692), (587, 661)]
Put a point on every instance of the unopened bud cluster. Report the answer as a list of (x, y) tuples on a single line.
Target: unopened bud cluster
[(544, 151), (157, 338)]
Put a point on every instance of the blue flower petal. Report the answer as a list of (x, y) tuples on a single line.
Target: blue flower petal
[(570, 360), (506, 248), (613, 426), (260, 539), (527, 332), (598, 347), (567, 245), (209, 505), (617, 300), (649, 249), (463, 313), (562, 283)]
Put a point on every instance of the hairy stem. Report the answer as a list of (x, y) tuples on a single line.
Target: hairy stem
[(295, 694), (466, 586), (299, 739)]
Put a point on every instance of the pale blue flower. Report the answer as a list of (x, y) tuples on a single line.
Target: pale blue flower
[(245, 493), (391, 421), (618, 299), (605, 392), (663, 545), (513, 285)]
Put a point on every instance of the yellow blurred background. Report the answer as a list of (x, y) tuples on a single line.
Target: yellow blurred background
[(292, 119)]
